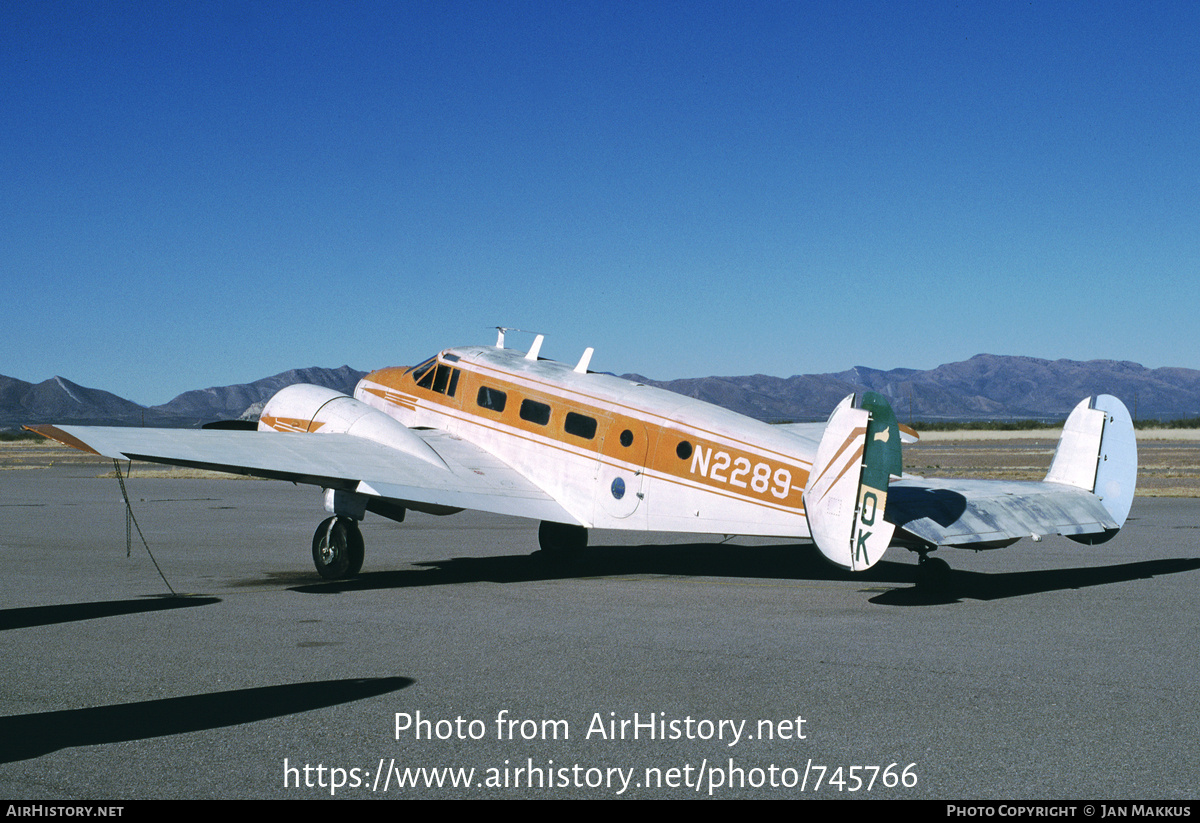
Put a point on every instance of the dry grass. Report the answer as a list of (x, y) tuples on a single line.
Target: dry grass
[(42, 454), (1169, 464), (1166, 468)]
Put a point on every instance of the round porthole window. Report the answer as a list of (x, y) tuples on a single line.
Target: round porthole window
[(618, 488), (684, 450), (627, 438)]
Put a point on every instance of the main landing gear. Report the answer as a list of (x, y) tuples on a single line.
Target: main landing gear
[(337, 548), (337, 545)]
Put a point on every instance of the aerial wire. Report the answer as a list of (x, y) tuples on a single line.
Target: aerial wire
[(129, 518)]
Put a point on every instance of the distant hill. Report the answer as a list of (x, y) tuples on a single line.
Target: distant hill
[(58, 400), (993, 387), (986, 387), (226, 402)]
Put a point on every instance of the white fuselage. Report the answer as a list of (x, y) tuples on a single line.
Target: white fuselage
[(615, 454)]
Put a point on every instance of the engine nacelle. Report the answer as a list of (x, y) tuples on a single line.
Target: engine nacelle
[(316, 409)]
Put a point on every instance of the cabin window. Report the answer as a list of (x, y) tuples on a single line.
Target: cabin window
[(627, 438), (580, 425), (684, 450), (535, 412), (490, 398)]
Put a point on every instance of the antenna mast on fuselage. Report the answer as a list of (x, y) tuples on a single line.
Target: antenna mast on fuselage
[(536, 348), (502, 330)]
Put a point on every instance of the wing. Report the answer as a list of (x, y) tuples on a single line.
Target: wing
[(1086, 494), (459, 476)]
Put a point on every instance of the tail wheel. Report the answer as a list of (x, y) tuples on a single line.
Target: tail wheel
[(337, 548)]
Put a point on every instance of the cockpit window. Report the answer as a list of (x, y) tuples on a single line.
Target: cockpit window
[(436, 376), (420, 371)]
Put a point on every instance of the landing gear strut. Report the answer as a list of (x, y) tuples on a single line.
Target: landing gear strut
[(337, 548)]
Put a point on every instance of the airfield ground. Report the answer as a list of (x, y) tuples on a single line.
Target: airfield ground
[(1045, 670), (1169, 459)]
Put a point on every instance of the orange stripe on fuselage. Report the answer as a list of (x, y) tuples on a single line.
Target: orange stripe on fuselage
[(659, 458), (649, 418), (396, 398)]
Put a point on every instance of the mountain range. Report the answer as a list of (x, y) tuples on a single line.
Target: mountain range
[(986, 387), (58, 400)]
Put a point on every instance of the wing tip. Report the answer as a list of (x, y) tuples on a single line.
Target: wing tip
[(51, 432)]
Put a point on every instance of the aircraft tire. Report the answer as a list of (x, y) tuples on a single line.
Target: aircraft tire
[(356, 547), (558, 539), (337, 548)]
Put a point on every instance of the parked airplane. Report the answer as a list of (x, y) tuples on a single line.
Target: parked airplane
[(499, 430)]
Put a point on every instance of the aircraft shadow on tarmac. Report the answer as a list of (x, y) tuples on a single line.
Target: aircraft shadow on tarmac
[(33, 735), (781, 562), (29, 616), (962, 584)]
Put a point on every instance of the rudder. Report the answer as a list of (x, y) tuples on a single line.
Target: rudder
[(846, 494)]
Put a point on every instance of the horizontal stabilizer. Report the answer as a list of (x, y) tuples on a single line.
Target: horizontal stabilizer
[(983, 514), (1086, 494)]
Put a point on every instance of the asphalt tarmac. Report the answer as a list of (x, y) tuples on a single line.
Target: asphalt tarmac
[(655, 666)]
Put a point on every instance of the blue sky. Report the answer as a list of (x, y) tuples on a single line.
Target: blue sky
[(198, 194)]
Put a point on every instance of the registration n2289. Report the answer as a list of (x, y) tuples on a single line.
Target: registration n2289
[(739, 471)]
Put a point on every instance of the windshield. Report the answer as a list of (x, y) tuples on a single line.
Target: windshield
[(418, 372)]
